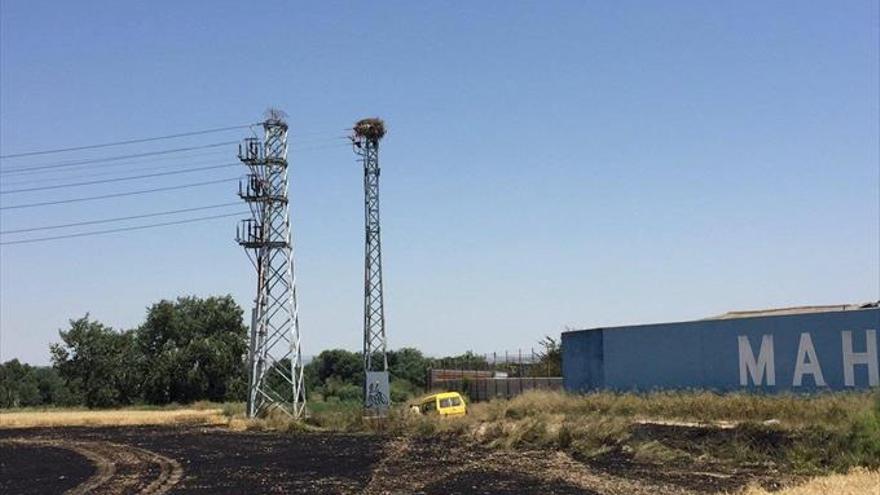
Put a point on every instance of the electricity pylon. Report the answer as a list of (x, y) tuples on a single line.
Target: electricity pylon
[(275, 374), (366, 137)]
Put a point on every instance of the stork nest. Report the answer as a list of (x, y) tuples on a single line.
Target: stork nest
[(275, 116), (372, 129)]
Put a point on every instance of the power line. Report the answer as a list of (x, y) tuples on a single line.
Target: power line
[(66, 174), (133, 165), (123, 229), (117, 219), (317, 140), (322, 147), (114, 158), (117, 179), (130, 141), (90, 164), (117, 195)]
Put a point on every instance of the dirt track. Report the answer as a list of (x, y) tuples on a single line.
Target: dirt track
[(190, 460)]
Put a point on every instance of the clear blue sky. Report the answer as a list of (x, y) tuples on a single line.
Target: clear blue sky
[(547, 165)]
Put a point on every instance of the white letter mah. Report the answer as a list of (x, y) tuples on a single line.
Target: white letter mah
[(802, 367), (851, 359), (757, 369)]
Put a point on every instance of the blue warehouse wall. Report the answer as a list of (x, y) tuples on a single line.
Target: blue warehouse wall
[(801, 352)]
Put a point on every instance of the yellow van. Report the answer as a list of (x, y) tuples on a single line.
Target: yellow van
[(444, 404)]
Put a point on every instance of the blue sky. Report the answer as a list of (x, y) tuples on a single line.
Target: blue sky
[(547, 164)]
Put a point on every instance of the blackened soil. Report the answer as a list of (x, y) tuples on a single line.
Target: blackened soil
[(36, 469), (707, 440), (479, 482), (219, 461), (450, 466), (702, 471)]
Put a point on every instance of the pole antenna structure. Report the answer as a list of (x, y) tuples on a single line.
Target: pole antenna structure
[(275, 372), (365, 139)]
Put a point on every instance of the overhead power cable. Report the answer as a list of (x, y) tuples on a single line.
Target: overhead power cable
[(129, 141), (321, 147), (123, 229), (118, 195), (68, 174), (114, 158), (102, 163), (118, 219), (118, 179)]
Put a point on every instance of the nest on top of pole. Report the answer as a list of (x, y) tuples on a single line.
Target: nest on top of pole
[(372, 129), (275, 116)]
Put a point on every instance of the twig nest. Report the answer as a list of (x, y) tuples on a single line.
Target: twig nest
[(372, 129), (275, 116)]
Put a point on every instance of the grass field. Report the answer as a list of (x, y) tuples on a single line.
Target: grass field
[(805, 434), (118, 417)]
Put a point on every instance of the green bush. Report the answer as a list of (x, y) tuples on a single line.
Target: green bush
[(342, 391), (864, 436), (402, 391)]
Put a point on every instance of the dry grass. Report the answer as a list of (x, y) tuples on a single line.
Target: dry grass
[(820, 433), (700, 407), (554, 410), (119, 417), (859, 481), (320, 418)]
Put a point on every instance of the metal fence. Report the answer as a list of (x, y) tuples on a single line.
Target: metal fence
[(498, 375)]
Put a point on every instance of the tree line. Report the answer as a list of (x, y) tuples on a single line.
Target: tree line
[(193, 349), (186, 350)]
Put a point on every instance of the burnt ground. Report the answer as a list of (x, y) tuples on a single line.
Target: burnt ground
[(34, 469), (200, 460), (699, 471)]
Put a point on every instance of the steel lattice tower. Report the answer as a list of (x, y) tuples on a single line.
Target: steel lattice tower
[(275, 378), (367, 134)]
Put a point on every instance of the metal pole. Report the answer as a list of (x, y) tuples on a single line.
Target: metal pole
[(520, 372), (531, 371), (250, 362), (365, 142), (506, 377)]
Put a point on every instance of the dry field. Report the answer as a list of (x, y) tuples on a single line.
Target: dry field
[(857, 482), (159, 460), (535, 444), (119, 417)]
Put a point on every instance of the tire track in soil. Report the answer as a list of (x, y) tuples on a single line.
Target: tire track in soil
[(120, 469)]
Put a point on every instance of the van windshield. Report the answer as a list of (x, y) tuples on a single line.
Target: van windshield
[(450, 402)]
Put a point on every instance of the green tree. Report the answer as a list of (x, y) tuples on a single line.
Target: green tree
[(345, 366), (549, 360), (51, 387), (466, 361), (409, 364), (193, 349), (22, 385), (98, 363), (18, 385)]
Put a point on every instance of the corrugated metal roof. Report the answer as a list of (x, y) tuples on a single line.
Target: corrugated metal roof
[(794, 310)]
